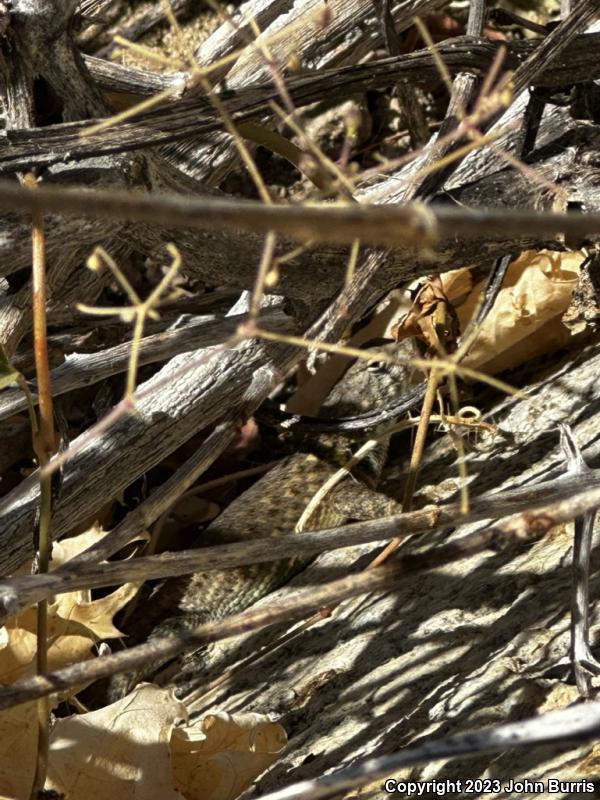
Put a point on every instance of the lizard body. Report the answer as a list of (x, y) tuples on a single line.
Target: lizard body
[(272, 506)]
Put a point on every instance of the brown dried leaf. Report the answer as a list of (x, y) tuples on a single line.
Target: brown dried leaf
[(525, 320), (66, 549), (75, 623), (222, 756), (78, 607), (118, 753), (431, 318), (17, 650), (68, 642), (18, 741), (96, 615)]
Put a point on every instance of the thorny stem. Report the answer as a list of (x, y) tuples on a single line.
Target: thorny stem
[(44, 445)]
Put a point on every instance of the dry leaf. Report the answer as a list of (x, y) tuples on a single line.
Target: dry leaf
[(17, 650), (525, 320), (18, 743), (118, 753), (223, 755), (78, 607), (96, 615), (131, 750), (75, 623), (68, 642), (430, 319), (66, 549), (69, 548)]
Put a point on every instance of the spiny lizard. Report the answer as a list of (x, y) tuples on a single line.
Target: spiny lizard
[(272, 506)]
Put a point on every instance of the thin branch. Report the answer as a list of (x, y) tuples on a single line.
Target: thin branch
[(85, 572), (510, 532), (85, 369), (45, 446), (390, 224), (561, 728), (194, 117)]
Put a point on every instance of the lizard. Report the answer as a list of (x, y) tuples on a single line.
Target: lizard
[(272, 506)]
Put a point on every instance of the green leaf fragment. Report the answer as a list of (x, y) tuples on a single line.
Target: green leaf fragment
[(8, 374)]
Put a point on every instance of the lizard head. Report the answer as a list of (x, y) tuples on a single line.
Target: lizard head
[(368, 384)]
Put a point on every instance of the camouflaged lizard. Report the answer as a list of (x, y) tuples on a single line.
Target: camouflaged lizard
[(272, 507)]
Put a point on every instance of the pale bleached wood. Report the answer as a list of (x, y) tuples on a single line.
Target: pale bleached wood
[(85, 369), (190, 399), (478, 642)]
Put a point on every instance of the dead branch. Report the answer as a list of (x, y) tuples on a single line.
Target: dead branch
[(509, 533), (563, 498)]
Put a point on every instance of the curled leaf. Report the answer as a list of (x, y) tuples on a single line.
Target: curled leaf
[(117, 753), (222, 756), (526, 318)]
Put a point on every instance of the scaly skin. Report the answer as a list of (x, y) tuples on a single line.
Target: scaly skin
[(271, 507)]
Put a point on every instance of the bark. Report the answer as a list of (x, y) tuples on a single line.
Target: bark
[(467, 638), (481, 641)]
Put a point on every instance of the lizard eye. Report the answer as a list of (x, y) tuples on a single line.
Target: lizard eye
[(377, 368)]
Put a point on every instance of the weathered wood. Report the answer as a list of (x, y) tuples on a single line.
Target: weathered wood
[(481, 641), (191, 398), (22, 591), (215, 255), (85, 369), (195, 116)]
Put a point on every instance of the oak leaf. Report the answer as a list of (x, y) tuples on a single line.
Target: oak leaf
[(222, 756)]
